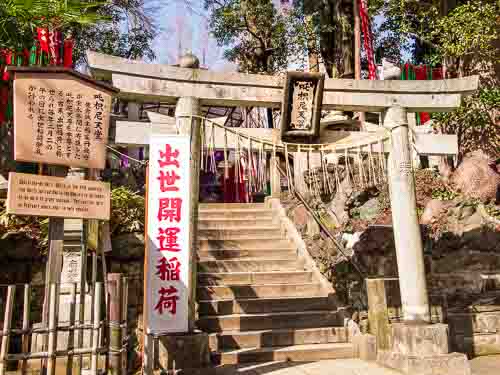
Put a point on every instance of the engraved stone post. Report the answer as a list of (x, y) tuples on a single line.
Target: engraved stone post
[(378, 317), (407, 237)]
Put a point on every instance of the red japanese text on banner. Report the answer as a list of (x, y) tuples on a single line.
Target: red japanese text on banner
[(168, 234)]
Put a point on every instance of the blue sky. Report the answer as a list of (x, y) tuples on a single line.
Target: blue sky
[(184, 25)]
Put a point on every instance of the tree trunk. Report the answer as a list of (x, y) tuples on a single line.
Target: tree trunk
[(337, 38), (312, 49)]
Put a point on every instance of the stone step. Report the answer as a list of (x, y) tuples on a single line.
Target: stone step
[(250, 265), (242, 254), (278, 337), (262, 233), (296, 353), (256, 322), (258, 291), (211, 224), (264, 305), (243, 244), (246, 278), (238, 214), (72, 246), (229, 206)]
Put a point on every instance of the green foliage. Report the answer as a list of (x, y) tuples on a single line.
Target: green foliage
[(475, 123), (256, 35), (444, 194), (20, 18), (493, 211), (127, 211), (433, 32), (33, 227), (119, 27), (129, 32), (467, 31)]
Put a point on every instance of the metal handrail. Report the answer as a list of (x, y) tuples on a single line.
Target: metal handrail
[(322, 226)]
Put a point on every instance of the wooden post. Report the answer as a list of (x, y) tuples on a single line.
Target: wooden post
[(81, 302), (7, 322), (115, 321), (54, 262), (26, 326), (378, 317), (407, 236), (96, 327), (53, 310), (125, 321), (275, 177), (71, 333), (186, 107)]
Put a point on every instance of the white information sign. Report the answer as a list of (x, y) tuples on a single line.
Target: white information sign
[(168, 234)]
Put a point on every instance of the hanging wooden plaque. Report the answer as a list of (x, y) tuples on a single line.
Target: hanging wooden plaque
[(60, 117), (301, 107)]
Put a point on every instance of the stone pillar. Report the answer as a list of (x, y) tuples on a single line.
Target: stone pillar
[(407, 237), (378, 317), (186, 107)]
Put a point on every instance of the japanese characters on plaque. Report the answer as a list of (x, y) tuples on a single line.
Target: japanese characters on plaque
[(168, 234), (60, 120), (303, 96), (301, 107)]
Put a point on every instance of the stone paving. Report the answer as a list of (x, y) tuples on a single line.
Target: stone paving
[(333, 367), (489, 365)]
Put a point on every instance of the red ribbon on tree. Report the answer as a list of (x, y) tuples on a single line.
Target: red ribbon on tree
[(368, 39), (43, 38)]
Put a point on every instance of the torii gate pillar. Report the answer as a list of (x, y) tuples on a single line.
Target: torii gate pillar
[(416, 347), (407, 236)]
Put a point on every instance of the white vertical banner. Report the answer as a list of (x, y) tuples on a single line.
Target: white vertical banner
[(168, 246)]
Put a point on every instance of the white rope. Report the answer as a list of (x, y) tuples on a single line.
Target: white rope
[(142, 162)]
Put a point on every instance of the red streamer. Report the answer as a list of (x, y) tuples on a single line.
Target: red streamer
[(68, 53), (368, 39)]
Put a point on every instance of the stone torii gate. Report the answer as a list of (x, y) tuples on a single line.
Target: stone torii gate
[(190, 88)]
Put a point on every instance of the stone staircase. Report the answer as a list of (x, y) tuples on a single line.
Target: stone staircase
[(260, 296)]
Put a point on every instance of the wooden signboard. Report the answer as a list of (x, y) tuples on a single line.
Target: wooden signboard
[(35, 195), (301, 109), (60, 117)]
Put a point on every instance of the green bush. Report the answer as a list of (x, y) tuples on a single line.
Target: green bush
[(127, 211)]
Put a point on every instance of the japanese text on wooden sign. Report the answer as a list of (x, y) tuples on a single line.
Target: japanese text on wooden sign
[(302, 110), (35, 195), (168, 234), (301, 107), (60, 120)]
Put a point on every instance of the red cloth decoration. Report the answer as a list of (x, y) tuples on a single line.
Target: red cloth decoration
[(54, 43), (68, 53), (437, 74), (421, 75), (8, 61), (43, 38), (4, 100), (368, 39)]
